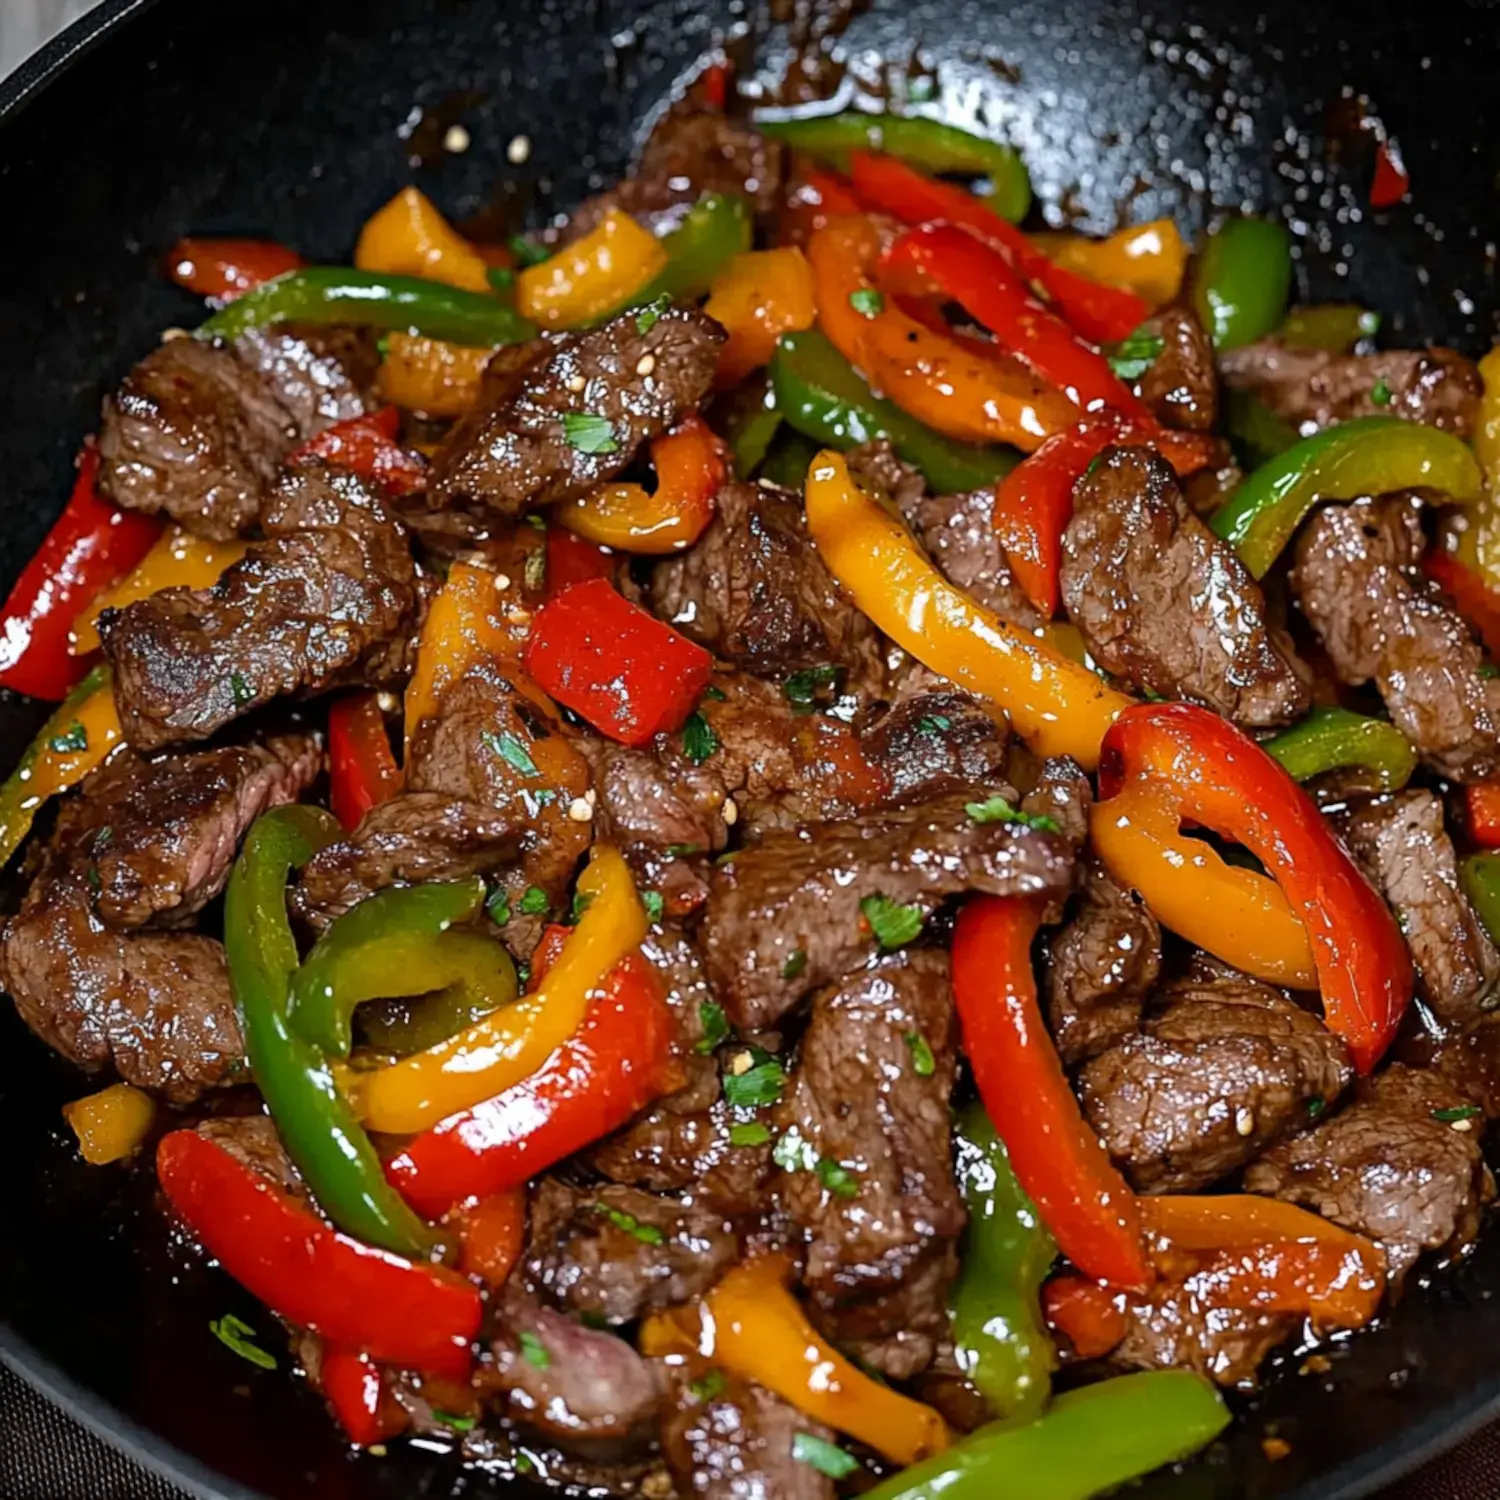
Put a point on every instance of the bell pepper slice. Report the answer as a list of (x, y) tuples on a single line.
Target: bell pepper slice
[(417, 1316), (78, 736), (1149, 259), (111, 1124), (491, 1236), (354, 1387), (759, 296), (594, 274), (430, 376), (90, 546), (749, 433), (1223, 780), (1477, 601), (1368, 456), (999, 1339), (1242, 281), (1256, 432), (1335, 326), (1482, 812), (619, 1060), (815, 198), (223, 269), (317, 1125), (1479, 875), (1090, 1316), (409, 237), (714, 231), (337, 294), (1056, 1156), (362, 770), (571, 559), (690, 470), (819, 393), (1391, 182), (1087, 1443), (614, 664), (1056, 705), (367, 446), (510, 1045), (1331, 739), (752, 1325)]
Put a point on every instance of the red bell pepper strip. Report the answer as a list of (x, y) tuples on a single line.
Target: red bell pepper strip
[(615, 1064), (92, 545), (1391, 182), (422, 1317), (618, 667), (226, 269), (713, 83), (571, 559), (1482, 812), (1091, 1317), (1224, 781), (1104, 314), (355, 1389), (367, 446), (1057, 1158), (362, 769), (1476, 601)]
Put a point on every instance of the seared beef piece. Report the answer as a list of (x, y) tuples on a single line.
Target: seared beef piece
[(320, 373), (1313, 388), (1227, 1069), (1470, 1061), (1389, 1168), (1170, 1328), (252, 1140), (1179, 387), (736, 1444), (799, 893), (898, 1332), (1401, 844), (512, 452), (1165, 605), (1357, 580), (1209, 488), (617, 1253), (331, 597), (1104, 963), (877, 467), (671, 952), (933, 744), (944, 1385), (754, 591), (1063, 793)]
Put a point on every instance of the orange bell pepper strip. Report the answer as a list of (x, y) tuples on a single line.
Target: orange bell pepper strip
[(1477, 602), (491, 1234), (758, 296), (1058, 706), (1149, 260), (1238, 915), (816, 197), (112, 1123), (691, 466), (751, 1325), (510, 1044), (1482, 812), (409, 237), (1089, 1315), (592, 276), (178, 559), (430, 376), (939, 381)]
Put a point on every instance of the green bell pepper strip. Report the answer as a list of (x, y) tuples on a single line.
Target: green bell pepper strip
[(821, 395), (915, 139), (1000, 1340), (1242, 281), (317, 1126), (1257, 433), (790, 458), (1332, 739), (1334, 326), (1369, 456), (1087, 1443), (749, 435), (1479, 875), (398, 943), (404, 1024), (337, 294)]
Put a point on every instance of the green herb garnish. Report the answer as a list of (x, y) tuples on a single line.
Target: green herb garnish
[(801, 689), (698, 738), (238, 1336), (533, 1350), (589, 433), (867, 302), (998, 810), (533, 902), (1380, 393), (497, 904), (74, 737), (827, 1458), (893, 925), (1458, 1112), (923, 1063), (240, 689), (655, 904), (528, 252), (759, 1085), (715, 1026), (793, 967), (650, 315), (838, 1179), (1134, 355), (647, 1234), (709, 1385), (510, 749), (752, 1133)]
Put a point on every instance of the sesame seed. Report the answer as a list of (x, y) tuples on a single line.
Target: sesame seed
[(456, 139), (730, 811), (1244, 1121), (580, 810), (646, 364), (576, 383), (388, 702), (591, 797), (740, 1063), (1463, 1127), (518, 150), (168, 334), (376, 1450), (518, 616), (502, 582)]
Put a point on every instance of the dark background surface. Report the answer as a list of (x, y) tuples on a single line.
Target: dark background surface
[(294, 120)]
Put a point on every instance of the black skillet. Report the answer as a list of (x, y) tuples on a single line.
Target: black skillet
[(293, 119)]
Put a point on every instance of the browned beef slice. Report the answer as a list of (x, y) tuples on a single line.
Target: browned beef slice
[(1401, 844), (1389, 1168), (934, 743), (1063, 794), (1180, 387), (617, 1253), (513, 451), (1174, 1327), (898, 1332), (877, 467), (1228, 1068), (331, 597), (1314, 388), (321, 374), (1469, 1061), (799, 893), (1104, 963), (1165, 605), (1356, 579)]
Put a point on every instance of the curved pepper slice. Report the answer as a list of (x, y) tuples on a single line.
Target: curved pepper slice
[(362, 771), (1056, 705), (411, 238), (432, 377), (1222, 779), (1479, 875), (1242, 281), (759, 296), (354, 1387), (224, 269), (492, 1234), (1334, 326), (1148, 259), (715, 230), (587, 278), (1331, 739), (367, 446)]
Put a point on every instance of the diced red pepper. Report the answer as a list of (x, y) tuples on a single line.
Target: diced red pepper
[(1391, 182), (713, 84), (92, 545), (362, 769), (367, 446), (614, 664), (1482, 812), (225, 269), (418, 1316), (355, 1389), (1476, 601), (1091, 1317), (571, 559)]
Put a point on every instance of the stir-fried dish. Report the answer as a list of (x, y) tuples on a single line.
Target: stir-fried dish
[(782, 840)]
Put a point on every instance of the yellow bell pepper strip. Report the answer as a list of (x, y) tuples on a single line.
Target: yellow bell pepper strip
[(430, 376), (1335, 326), (751, 1325), (177, 560), (759, 296), (592, 275), (511, 1044), (409, 237), (1486, 442), (1056, 705), (111, 1124), (78, 736), (1149, 260)]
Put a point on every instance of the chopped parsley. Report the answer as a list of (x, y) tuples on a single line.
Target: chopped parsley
[(709, 1385), (1488, 669), (534, 573), (240, 689), (534, 1351), (1369, 324), (650, 315), (1134, 355), (536, 522), (698, 738), (1380, 393), (647, 1234), (1315, 1106), (497, 904), (533, 902), (867, 302), (383, 345), (95, 883), (501, 278), (758, 1085), (838, 1179), (676, 851), (1093, 464), (589, 433), (527, 252), (893, 925), (715, 1026), (74, 737), (827, 1458), (510, 749), (923, 1063), (998, 810), (801, 689), (1459, 1112), (238, 1336), (582, 900), (752, 1133), (448, 1418), (524, 1464), (795, 964), (934, 724), (715, 695), (655, 904)]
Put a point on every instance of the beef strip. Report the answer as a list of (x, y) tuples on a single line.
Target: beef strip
[(1470, 1061), (332, 597), (1389, 1168), (1174, 1327), (1180, 387), (877, 467), (1357, 579), (1104, 963), (320, 373), (513, 451), (1228, 1068), (1165, 605), (1401, 844), (1064, 794), (936, 743), (1313, 388), (783, 917)]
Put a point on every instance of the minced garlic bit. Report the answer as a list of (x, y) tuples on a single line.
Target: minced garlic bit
[(645, 364), (1244, 1121), (502, 582), (730, 812), (518, 150), (168, 334), (658, 1485), (456, 139), (580, 810), (576, 383), (388, 701), (1463, 1127), (741, 1062)]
